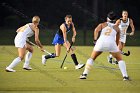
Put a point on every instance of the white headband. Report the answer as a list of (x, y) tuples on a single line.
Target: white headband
[(110, 19)]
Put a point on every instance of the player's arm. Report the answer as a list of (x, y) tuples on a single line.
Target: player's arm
[(118, 34), (118, 22), (37, 38), (96, 31), (63, 28), (74, 33), (132, 27), (36, 31)]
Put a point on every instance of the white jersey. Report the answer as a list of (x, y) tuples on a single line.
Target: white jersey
[(20, 39), (108, 32), (106, 41), (124, 26), (123, 29)]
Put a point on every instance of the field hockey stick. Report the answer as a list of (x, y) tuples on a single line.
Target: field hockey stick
[(66, 55), (37, 46)]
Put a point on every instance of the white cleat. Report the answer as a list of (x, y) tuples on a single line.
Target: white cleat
[(110, 59), (9, 70), (44, 60), (83, 76), (79, 66), (27, 68), (126, 79)]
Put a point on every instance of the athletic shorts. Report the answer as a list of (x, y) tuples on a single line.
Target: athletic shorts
[(58, 39), (106, 46), (20, 40), (122, 38)]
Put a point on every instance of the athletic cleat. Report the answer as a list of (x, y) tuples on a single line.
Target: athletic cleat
[(110, 59), (27, 68), (126, 79), (116, 62), (79, 66), (44, 59), (83, 76), (9, 70)]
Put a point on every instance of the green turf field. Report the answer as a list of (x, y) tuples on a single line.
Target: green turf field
[(103, 78)]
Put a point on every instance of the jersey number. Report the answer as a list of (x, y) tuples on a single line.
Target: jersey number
[(109, 30)]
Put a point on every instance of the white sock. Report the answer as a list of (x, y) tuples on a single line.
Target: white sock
[(88, 66), (122, 67), (110, 56), (14, 62), (27, 59)]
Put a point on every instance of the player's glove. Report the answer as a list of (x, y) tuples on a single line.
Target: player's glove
[(94, 42), (131, 34)]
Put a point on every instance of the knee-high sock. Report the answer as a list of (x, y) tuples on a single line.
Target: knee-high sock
[(88, 66), (53, 55), (110, 56), (122, 67), (14, 62), (27, 59), (74, 58)]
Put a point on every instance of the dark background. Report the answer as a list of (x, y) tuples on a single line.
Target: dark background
[(86, 15)]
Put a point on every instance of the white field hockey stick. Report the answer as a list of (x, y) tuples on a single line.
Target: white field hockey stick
[(38, 47)]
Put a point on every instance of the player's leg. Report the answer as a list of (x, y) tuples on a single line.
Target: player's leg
[(121, 65), (74, 58), (89, 64), (57, 41), (110, 57), (21, 52), (28, 57), (123, 53), (53, 55), (121, 45), (57, 50)]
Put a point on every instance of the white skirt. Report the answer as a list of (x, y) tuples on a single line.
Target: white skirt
[(20, 40), (108, 46), (122, 38)]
